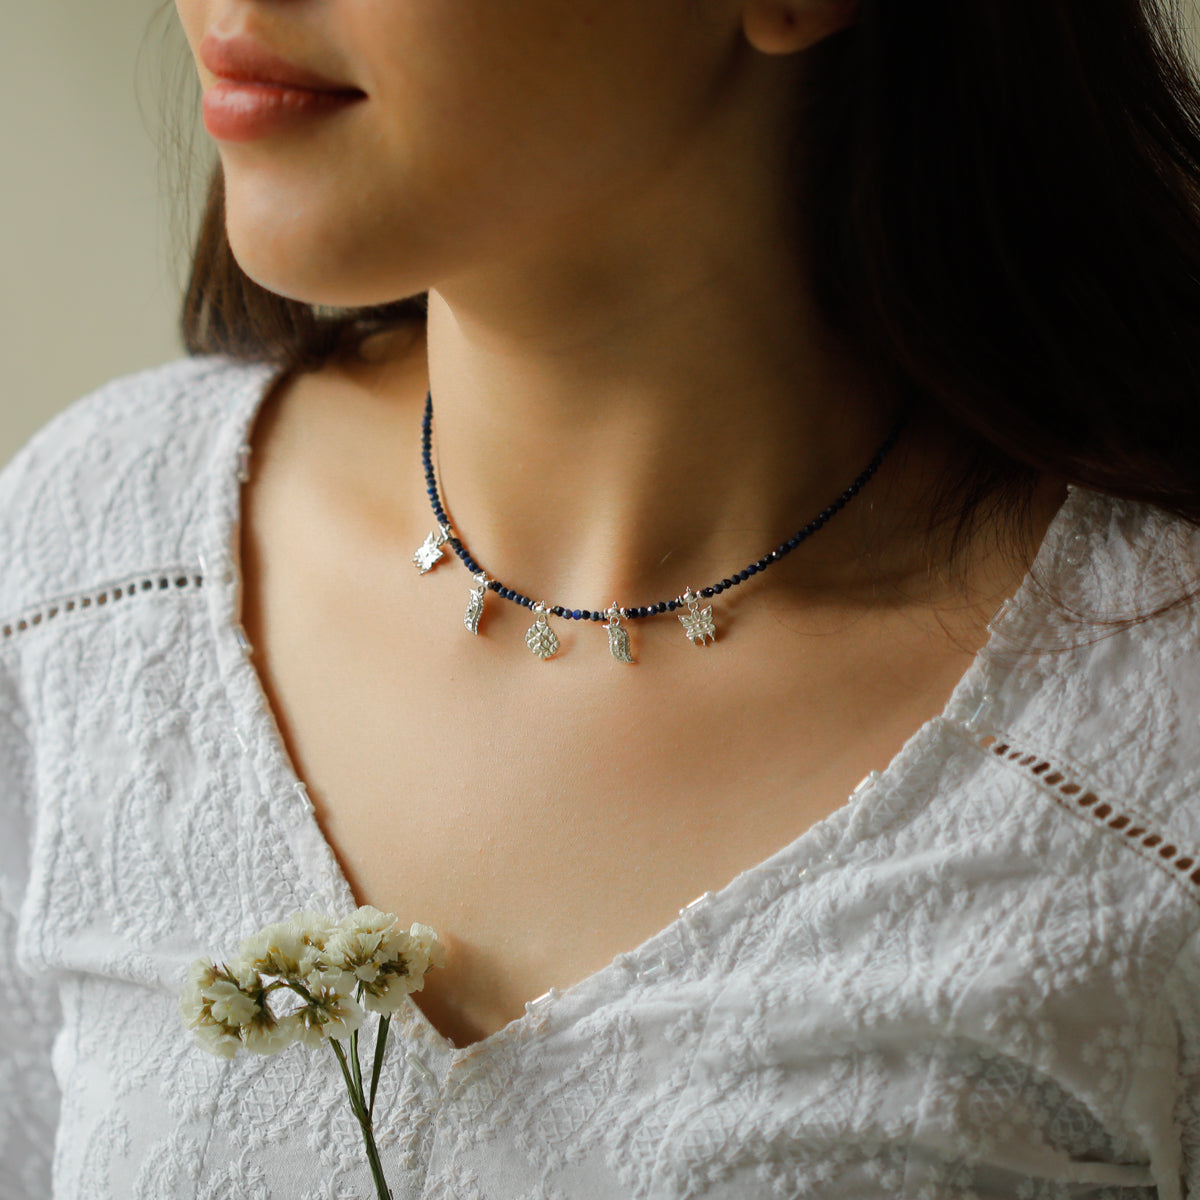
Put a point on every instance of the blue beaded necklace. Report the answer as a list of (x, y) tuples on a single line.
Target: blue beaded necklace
[(541, 639)]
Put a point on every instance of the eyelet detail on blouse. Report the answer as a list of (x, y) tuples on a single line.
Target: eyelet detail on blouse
[(1181, 864), (164, 579)]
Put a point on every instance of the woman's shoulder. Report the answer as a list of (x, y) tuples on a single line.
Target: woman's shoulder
[(113, 482), (142, 404), (160, 406), (1094, 679)]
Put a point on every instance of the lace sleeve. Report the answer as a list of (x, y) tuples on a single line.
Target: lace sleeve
[(29, 1099)]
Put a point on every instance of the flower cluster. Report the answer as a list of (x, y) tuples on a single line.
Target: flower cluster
[(306, 980)]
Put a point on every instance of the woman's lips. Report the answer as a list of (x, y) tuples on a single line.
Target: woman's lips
[(241, 111), (259, 93)]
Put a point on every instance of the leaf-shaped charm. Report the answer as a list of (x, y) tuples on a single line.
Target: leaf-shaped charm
[(618, 636), (475, 605), (697, 622), (541, 639), (429, 553)]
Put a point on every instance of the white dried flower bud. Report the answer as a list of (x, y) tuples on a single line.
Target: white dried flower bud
[(213, 1007), (427, 943), (288, 949), (385, 994), (218, 1040), (364, 943), (228, 1004), (331, 1013), (367, 920), (266, 1033), (192, 1004)]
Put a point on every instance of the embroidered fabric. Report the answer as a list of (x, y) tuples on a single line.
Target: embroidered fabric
[(965, 982)]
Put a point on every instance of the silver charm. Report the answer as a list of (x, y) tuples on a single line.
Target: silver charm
[(540, 638), (618, 636), (697, 622), (429, 553), (475, 604)]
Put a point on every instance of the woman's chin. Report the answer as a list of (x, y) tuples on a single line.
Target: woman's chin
[(303, 277), (318, 260)]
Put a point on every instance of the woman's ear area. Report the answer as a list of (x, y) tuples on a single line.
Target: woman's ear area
[(786, 26)]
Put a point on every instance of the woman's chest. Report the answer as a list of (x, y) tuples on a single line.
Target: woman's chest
[(546, 816)]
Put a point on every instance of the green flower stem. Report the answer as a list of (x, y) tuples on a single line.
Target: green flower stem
[(355, 1103), (377, 1066), (356, 1070), (358, 1106)]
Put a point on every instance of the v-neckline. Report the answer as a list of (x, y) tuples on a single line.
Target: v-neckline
[(822, 846)]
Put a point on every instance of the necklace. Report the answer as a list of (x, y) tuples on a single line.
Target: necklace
[(697, 621)]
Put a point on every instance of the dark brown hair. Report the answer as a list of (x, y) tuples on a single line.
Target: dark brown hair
[(1001, 203)]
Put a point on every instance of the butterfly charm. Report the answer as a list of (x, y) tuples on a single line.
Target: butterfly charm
[(429, 553), (697, 622)]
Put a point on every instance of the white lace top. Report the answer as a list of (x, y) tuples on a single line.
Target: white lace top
[(979, 978)]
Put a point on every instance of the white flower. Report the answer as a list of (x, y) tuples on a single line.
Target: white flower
[(214, 1007), (366, 942), (315, 965), (423, 951), (331, 1013), (217, 1039), (426, 942), (367, 921), (228, 1004), (384, 960), (302, 980), (266, 1034), (289, 949), (385, 994), (191, 999)]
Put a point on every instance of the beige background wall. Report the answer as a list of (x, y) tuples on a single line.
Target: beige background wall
[(88, 288), (88, 291)]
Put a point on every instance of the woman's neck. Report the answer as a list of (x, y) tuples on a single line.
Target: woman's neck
[(644, 397), (639, 394), (626, 449)]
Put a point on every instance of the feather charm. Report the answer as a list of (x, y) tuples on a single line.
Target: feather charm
[(475, 604), (618, 636)]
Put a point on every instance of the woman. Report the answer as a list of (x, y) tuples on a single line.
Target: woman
[(772, 335)]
